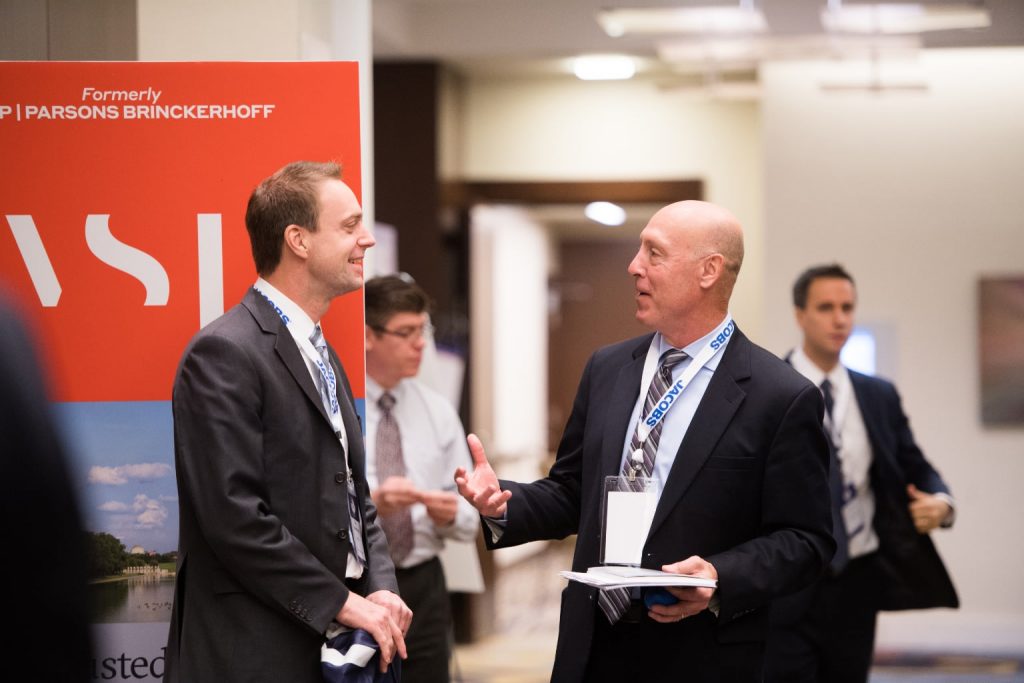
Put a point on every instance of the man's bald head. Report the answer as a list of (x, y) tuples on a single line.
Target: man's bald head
[(690, 254), (712, 229)]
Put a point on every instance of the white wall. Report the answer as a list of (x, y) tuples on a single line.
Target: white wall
[(508, 275), (509, 262), (918, 195), (268, 30), (564, 129)]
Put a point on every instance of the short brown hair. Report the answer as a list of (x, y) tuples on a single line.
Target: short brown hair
[(289, 197), (390, 294), (803, 283)]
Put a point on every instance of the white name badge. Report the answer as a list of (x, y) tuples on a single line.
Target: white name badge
[(628, 511)]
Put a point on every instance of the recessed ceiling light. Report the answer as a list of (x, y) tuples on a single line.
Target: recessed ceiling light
[(605, 213), (604, 67)]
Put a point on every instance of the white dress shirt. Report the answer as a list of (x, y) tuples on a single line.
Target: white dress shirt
[(433, 446), (850, 436)]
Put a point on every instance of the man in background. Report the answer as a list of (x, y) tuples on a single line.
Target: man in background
[(414, 442), (886, 498), (736, 460), (279, 537)]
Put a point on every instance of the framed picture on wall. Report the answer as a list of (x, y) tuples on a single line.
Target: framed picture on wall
[(1001, 350)]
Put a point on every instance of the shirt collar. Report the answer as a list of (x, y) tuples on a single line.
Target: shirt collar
[(374, 391), (301, 324), (838, 375), (695, 347)]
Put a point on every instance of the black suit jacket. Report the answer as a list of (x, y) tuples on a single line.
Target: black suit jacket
[(748, 491), (913, 576), (263, 506)]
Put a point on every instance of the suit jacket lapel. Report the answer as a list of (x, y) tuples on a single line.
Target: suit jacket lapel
[(717, 407), (860, 391), (620, 408), (287, 350), (868, 404)]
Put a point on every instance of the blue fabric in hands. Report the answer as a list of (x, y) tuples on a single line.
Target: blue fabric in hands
[(658, 596), (354, 657)]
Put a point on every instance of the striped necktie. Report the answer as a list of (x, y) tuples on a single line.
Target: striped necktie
[(614, 602)]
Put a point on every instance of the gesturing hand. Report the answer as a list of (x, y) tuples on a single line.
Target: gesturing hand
[(480, 487)]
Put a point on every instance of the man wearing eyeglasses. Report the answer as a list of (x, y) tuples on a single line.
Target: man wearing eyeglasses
[(414, 442)]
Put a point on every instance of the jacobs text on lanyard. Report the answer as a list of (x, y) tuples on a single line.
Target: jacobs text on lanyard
[(671, 396)]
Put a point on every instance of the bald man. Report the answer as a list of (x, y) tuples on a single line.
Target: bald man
[(732, 450)]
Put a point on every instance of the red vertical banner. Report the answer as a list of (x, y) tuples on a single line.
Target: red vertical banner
[(123, 199), (122, 203)]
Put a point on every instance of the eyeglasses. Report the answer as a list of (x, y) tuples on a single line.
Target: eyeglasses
[(413, 334)]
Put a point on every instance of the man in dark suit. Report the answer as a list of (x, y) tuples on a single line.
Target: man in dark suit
[(886, 499), (739, 468), (278, 534)]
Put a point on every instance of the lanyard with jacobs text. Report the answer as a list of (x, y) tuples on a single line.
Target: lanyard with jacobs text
[(719, 337)]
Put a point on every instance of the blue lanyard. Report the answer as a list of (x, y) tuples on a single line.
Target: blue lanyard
[(668, 399), (326, 371)]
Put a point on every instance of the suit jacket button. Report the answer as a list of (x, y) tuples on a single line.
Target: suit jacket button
[(343, 534), (339, 477)]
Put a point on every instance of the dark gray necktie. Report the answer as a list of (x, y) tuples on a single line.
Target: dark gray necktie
[(835, 483), (826, 392), (614, 602)]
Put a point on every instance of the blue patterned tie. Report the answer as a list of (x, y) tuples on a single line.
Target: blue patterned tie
[(355, 519), (615, 601)]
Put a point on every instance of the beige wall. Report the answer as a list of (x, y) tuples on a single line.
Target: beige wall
[(223, 30), (563, 129), (918, 195)]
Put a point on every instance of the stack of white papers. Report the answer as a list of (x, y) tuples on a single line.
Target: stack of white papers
[(628, 577)]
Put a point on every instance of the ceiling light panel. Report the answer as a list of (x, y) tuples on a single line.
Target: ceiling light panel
[(904, 18), (667, 20)]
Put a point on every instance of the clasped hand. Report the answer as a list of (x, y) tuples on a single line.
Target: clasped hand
[(384, 616), (397, 493)]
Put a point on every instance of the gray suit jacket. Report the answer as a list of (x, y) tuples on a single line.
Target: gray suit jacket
[(263, 506)]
